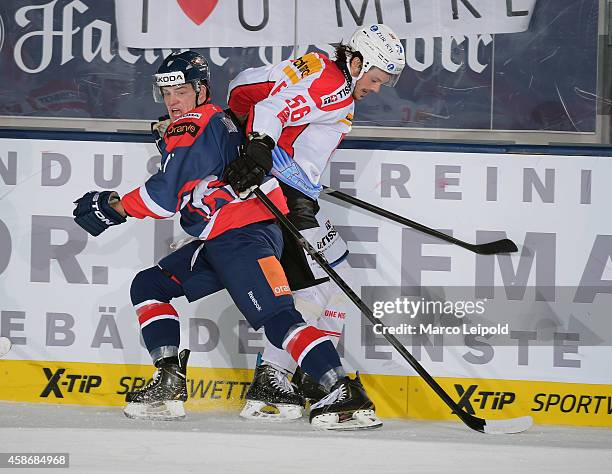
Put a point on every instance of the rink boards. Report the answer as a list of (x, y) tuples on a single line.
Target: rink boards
[(64, 296), (395, 396)]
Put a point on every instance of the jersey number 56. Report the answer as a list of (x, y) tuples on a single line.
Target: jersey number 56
[(293, 109)]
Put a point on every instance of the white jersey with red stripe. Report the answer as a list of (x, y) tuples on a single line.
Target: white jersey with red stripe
[(305, 105)]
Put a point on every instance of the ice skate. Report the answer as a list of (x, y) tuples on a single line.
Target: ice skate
[(271, 397), (347, 407), (163, 397), (308, 387)]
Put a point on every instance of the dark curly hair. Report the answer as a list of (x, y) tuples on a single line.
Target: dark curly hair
[(343, 54)]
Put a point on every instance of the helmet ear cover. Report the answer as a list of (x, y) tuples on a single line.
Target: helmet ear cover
[(379, 47)]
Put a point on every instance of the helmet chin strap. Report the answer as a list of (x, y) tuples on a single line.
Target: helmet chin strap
[(198, 90)]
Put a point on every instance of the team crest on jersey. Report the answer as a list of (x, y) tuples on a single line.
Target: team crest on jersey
[(183, 128)]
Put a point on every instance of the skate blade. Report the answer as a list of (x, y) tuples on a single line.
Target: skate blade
[(358, 420), (256, 410), (164, 411)]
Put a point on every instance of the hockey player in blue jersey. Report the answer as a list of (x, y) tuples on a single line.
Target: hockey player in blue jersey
[(236, 246)]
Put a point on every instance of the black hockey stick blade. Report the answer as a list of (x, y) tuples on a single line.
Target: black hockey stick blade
[(513, 425), (488, 248), (498, 246)]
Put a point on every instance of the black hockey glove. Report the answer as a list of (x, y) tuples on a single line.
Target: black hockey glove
[(93, 211), (158, 130), (254, 161)]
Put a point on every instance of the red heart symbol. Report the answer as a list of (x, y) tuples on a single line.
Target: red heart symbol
[(197, 10)]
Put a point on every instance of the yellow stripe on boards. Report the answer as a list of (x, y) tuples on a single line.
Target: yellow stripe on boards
[(395, 396)]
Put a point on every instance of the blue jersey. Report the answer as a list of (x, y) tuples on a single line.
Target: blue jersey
[(197, 147)]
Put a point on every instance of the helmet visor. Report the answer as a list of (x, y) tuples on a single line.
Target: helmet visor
[(392, 77)]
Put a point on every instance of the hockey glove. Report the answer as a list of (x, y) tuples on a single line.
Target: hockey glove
[(158, 130), (94, 213), (254, 161)]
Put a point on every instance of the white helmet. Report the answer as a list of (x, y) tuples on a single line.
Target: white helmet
[(380, 47)]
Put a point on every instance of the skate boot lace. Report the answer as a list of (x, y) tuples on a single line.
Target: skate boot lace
[(279, 380), (154, 379), (336, 396)]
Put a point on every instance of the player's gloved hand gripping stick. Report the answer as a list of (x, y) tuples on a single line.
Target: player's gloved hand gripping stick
[(253, 163)]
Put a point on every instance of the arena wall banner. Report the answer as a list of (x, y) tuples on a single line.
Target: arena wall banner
[(506, 335), (477, 64), (183, 24)]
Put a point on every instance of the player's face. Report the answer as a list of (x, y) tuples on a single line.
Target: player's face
[(179, 99), (371, 81)]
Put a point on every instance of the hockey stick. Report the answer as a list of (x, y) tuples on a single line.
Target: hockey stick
[(489, 248), (512, 425)]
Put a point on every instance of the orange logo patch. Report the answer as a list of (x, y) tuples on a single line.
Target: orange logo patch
[(182, 128), (275, 275)]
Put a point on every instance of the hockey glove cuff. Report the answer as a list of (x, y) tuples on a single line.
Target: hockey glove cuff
[(158, 130)]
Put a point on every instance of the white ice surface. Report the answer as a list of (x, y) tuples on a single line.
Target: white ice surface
[(102, 440)]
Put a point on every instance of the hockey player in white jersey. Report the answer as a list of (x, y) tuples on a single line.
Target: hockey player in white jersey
[(301, 110)]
